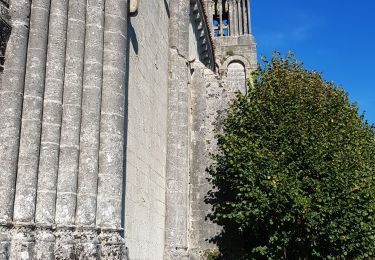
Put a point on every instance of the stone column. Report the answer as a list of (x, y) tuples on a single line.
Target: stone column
[(25, 198), (111, 152), (70, 130), (240, 21), (231, 18), (245, 17), (177, 167), (51, 123), (89, 137), (11, 97), (249, 14), (24, 208), (235, 18), (211, 11), (220, 10), (214, 12)]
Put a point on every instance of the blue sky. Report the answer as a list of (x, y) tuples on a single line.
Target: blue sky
[(334, 37)]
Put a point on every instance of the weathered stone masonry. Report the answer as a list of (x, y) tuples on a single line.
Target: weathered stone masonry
[(178, 146), (211, 93), (107, 120), (64, 79)]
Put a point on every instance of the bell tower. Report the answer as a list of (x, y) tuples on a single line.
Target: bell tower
[(230, 17), (231, 28)]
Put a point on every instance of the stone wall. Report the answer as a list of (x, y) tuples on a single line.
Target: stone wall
[(211, 94), (146, 130), (241, 46), (206, 103), (163, 38)]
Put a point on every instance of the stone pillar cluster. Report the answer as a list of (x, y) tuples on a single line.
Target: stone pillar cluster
[(239, 17), (62, 101), (237, 13)]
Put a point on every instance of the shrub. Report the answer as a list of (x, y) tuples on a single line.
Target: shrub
[(295, 171)]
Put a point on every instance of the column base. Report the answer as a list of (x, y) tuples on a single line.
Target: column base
[(22, 242), (44, 244), (87, 244), (64, 245), (112, 246), (5, 238)]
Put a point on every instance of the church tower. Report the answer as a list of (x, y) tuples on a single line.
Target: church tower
[(231, 27)]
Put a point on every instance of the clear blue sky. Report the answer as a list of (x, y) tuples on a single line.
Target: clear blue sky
[(336, 37)]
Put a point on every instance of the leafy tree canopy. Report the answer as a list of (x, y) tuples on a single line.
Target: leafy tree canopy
[(295, 171)]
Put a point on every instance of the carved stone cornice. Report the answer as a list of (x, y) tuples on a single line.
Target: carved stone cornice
[(206, 39)]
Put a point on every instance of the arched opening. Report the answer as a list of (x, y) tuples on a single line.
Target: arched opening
[(236, 77)]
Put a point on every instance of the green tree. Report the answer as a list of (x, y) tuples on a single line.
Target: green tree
[(294, 177)]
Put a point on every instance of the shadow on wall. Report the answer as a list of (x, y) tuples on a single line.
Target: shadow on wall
[(167, 8), (131, 38)]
